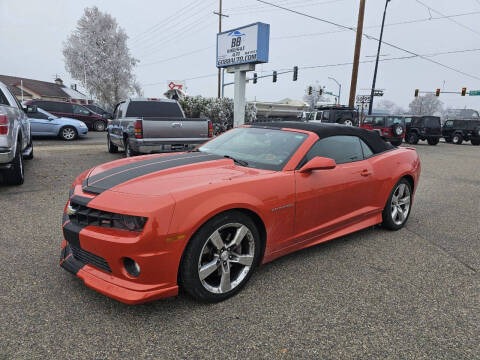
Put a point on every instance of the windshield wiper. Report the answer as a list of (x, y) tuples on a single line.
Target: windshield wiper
[(239, 162)]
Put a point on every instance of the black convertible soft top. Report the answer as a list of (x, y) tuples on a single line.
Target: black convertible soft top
[(324, 130)]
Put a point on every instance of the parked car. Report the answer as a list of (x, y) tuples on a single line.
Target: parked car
[(138, 229), (93, 120), (458, 131), (390, 128), (15, 138), (423, 128), (43, 123), (145, 126), (97, 109), (333, 114)]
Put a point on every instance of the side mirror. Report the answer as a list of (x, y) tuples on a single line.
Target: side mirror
[(105, 116), (31, 109), (318, 163)]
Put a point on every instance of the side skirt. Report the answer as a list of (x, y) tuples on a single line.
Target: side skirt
[(370, 221)]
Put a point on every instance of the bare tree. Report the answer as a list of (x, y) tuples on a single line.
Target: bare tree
[(390, 106), (96, 54), (426, 105)]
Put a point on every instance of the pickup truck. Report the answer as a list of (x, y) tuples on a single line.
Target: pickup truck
[(146, 126), (15, 138)]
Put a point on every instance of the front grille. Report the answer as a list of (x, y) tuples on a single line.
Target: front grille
[(85, 216), (87, 257)]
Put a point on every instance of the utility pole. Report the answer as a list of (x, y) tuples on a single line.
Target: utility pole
[(376, 62), (220, 15), (356, 56)]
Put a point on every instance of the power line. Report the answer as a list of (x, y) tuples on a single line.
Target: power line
[(308, 67), (373, 38), (452, 20), (164, 21), (185, 31), (177, 57), (151, 38)]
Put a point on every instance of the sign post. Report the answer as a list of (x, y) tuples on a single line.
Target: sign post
[(238, 50)]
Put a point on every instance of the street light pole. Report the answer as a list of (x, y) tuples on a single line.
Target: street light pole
[(339, 89), (376, 62)]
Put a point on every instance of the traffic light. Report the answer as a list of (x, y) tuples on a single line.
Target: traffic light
[(274, 76), (464, 91), (416, 92), (255, 78), (320, 91), (437, 93), (295, 73), (310, 90)]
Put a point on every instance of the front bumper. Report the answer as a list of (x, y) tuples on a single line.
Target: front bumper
[(82, 131), (96, 254), (111, 286)]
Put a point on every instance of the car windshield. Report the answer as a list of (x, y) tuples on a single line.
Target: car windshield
[(268, 149), (47, 113)]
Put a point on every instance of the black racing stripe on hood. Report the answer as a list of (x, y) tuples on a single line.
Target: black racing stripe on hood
[(90, 180), (123, 174)]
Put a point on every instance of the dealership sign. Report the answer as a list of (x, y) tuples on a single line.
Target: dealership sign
[(244, 45)]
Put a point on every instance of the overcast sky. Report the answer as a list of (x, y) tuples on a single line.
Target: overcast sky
[(32, 35)]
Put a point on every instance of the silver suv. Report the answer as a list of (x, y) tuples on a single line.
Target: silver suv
[(15, 138)]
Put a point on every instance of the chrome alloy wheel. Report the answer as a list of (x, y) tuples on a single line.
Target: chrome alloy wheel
[(400, 204), (348, 123), (68, 133), (226, 258)]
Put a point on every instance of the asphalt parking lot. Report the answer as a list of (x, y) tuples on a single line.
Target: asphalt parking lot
[(409, 294)]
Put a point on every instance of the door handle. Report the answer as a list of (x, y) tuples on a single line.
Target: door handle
[(365, 172), (177, 125)]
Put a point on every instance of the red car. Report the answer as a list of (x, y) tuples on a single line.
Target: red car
[(138, 228)]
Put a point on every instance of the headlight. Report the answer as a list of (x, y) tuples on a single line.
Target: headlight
[(82, 125), (133, 223)]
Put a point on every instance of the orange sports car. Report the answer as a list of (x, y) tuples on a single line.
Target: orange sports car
[(137, 229)]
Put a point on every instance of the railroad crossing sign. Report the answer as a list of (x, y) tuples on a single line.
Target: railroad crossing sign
[(363, 99), (474, 93)]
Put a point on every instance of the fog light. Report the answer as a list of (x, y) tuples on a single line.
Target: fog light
[(131, 266)]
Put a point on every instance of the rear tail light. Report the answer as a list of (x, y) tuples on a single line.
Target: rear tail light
[(138, 129), (210, 129), (3, 125)]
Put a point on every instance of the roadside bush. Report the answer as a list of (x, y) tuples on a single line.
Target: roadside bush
[(219, 111)]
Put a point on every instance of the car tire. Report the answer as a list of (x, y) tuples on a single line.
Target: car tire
[(99, 125), (348, 122), (128, 149), (396, 143), (226, 269), (399, 203), (457, 139), (112, 148), (475, 142), (15, 174), (68, 133), (433, 141), (412, 138)]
